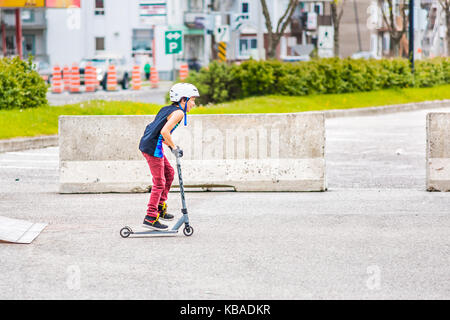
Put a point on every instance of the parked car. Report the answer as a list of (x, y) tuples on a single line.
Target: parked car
[(193, 64), (364, 55), (44, 69), (304, 57), (101, 62)]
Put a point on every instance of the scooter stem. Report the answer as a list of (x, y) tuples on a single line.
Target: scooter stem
[(180, 179)]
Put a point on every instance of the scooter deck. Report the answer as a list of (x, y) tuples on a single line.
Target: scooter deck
[(126, 231), (155, 232)]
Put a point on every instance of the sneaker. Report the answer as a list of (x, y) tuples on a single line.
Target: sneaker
[(153, 223), (162, 210)]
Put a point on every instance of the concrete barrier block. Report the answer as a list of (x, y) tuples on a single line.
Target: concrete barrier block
[(438, 151), (248, 152), (18, 144)]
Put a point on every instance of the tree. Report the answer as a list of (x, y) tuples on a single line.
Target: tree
[(446, 6), (396, 30), (337, 10), (275, 35)]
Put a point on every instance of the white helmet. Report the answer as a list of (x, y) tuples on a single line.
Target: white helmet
[(183, 90)]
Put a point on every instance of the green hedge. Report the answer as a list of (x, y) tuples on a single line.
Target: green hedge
[(20, 85), (221, 82)]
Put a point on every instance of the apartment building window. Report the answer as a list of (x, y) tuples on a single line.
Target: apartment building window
[(317, 8), (10, 44), (246, 45), (245, 7), (99, 8), (386, 44), (99, 43), (27, 15), (195, 5), (142, 40), (29, 45)]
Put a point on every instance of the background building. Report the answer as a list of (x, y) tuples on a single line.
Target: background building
[(135, 29), (34, 32)]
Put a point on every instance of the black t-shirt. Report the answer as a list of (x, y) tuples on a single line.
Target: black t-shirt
[(151, 141)]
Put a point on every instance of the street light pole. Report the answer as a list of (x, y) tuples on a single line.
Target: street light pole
[(411, 34), (260, 33), (19, 34), (205, 34), (358, 32)]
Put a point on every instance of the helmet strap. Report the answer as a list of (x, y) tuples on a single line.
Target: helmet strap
[(184, 110)]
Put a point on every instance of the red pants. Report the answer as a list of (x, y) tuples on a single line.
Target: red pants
[(162, 173)]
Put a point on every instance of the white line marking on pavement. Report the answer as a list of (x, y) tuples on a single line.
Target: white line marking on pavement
[(29, 161), (33, 154), (34, 168)]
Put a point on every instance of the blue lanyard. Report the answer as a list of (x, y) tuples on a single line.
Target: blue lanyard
[(184, 110)]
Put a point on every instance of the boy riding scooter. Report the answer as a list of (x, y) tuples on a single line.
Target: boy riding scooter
[(156, 133)]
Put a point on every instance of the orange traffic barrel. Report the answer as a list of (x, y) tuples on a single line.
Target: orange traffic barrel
[(57, 84), (97, 83), (90, 78), (111, 82), (184, 71), (66, 78), (75, 79), (136, 78), (154, 79)]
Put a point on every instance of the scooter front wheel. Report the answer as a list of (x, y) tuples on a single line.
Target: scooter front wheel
[(125, 232), (188, 231)]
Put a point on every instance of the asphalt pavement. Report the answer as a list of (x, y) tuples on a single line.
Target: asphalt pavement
[(146, 94), (375, 234)]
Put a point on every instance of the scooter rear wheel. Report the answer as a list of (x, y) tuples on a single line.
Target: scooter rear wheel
[(125, 232), (188, 231)]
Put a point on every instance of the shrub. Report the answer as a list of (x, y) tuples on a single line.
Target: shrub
[(20, 85), (254, 78), (221, 82), (216, 83), (430, 73)]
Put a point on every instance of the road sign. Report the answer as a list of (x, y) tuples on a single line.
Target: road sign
[(222, 54), (174, 41), (222, 33), (40, 3), (326, 37), (238, 20), (326, 42), (311, 22), (22, 3), (63, 4), (152, 12)]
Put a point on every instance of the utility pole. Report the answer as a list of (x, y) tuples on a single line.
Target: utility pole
[(3, 37), (358, 32), (411, 34), (260, 33), (19, 33), (205, 34)]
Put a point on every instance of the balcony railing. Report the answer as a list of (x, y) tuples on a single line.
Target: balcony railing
[(298, 24), (194, 20)]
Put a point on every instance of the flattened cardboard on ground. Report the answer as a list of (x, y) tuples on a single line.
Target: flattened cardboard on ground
[(19, 231)]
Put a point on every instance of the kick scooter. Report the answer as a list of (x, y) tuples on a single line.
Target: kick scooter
[(188, 230)]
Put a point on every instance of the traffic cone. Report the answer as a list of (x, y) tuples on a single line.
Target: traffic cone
[(90, 78), (75, 79), (154, 79), (97, 83), (136, 78), (111, 82), (57, 84), (66, 78), (184, 71)]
